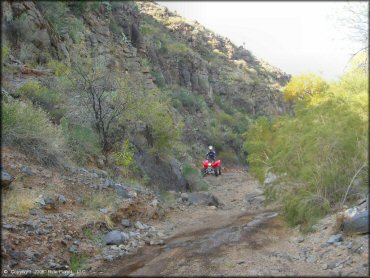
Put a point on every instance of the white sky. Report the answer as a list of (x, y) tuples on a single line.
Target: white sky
[(297, 37)]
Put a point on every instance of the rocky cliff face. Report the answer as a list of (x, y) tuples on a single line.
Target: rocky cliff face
[(208, 64)]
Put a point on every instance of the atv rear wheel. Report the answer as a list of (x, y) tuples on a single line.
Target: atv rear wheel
[(219, 170)]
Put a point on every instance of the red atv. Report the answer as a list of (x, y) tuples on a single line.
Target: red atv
[(211, 167)]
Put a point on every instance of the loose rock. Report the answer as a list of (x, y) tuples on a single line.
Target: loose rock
[(139, 225), (335, 238), (103, 210), (6, 178), (122, 191), (26, 170), (125, 223), (62, 199)]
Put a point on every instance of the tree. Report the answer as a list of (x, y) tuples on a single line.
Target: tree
[(104, 95), (355, 17), (303, 86)]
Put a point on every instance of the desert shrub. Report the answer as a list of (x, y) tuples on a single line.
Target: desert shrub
[(81, 7), (21, 28), (18, 201), (147, 29), (162, 132), (82, 142), (176, 48), (105, 199), (224, 118), (60, 69), (125, 157), (304, 208), (225, 105), (194, 178), (58, 14), (5, 51), (77, 261), (28, 53), (183, 99), (158, 78), (39, 94), (167, 198), (324, 146), (28, 128)]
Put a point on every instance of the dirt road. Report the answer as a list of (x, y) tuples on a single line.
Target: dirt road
[(235, 240)]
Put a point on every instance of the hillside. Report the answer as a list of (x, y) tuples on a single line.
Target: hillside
[(212, 87)]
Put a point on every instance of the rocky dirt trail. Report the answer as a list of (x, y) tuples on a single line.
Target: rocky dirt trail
[(242, 237)]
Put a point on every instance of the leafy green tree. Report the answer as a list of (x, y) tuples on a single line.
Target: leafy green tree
[(303, 86), (321, 149)]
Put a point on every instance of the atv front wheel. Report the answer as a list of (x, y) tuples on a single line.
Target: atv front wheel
[(203, 172)]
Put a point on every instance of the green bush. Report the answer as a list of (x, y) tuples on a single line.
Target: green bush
[(60, 69), (40, 95), (29, 129), (159, 78), (224, 118), (322, 147), (77, 262), (125, 157), (162, 132), (183, 99), (304, 209), (225, 105), (82, 141)]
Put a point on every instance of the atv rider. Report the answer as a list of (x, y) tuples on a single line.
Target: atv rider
[(211, 155)]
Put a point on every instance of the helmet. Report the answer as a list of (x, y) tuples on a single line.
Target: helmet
[(210, 148)]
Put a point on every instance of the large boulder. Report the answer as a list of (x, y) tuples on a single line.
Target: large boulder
[(358, 224), (6, 178), (200, 198), (255, 198), (115, 237), (167, 173), (122, 191)]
